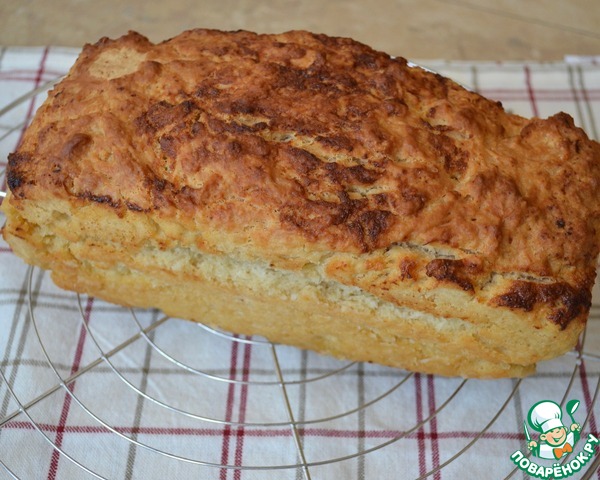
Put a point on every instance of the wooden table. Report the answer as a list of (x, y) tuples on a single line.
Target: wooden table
[(416, 29)]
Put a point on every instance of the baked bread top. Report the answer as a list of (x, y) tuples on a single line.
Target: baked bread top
[(300, 149)]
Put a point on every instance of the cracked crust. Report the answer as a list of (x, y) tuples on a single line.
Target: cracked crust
[(302, 151)]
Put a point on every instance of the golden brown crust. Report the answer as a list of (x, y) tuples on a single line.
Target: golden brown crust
[(300, 149)]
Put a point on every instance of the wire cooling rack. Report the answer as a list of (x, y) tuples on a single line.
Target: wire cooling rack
[(136, 394)]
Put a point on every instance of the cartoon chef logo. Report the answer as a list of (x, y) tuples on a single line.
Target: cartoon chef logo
[(555, 443), (555, 440)]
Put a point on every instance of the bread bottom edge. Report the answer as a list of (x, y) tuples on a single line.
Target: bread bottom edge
[(302, 324)]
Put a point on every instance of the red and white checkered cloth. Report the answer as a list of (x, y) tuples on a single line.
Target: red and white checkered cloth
[(88, 389)]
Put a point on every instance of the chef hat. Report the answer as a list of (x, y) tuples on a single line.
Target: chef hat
[(545, 416)]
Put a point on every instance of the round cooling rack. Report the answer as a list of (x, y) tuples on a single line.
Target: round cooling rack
[(93, 390)]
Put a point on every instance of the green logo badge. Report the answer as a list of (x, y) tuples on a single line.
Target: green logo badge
[(555, 441)]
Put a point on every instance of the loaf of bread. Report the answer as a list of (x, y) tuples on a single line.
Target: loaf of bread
[(316, 192)]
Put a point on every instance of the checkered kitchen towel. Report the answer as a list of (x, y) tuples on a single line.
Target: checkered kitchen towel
[(89, 390)]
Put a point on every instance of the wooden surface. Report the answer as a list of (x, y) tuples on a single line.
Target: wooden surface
[(416, 29)]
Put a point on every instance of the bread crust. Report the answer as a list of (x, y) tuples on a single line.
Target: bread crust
[(307, 153)]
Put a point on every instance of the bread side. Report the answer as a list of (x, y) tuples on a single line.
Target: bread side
[(302, 308), (348, 202)]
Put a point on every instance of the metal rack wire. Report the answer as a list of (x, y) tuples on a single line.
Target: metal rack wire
[(275, 379)]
